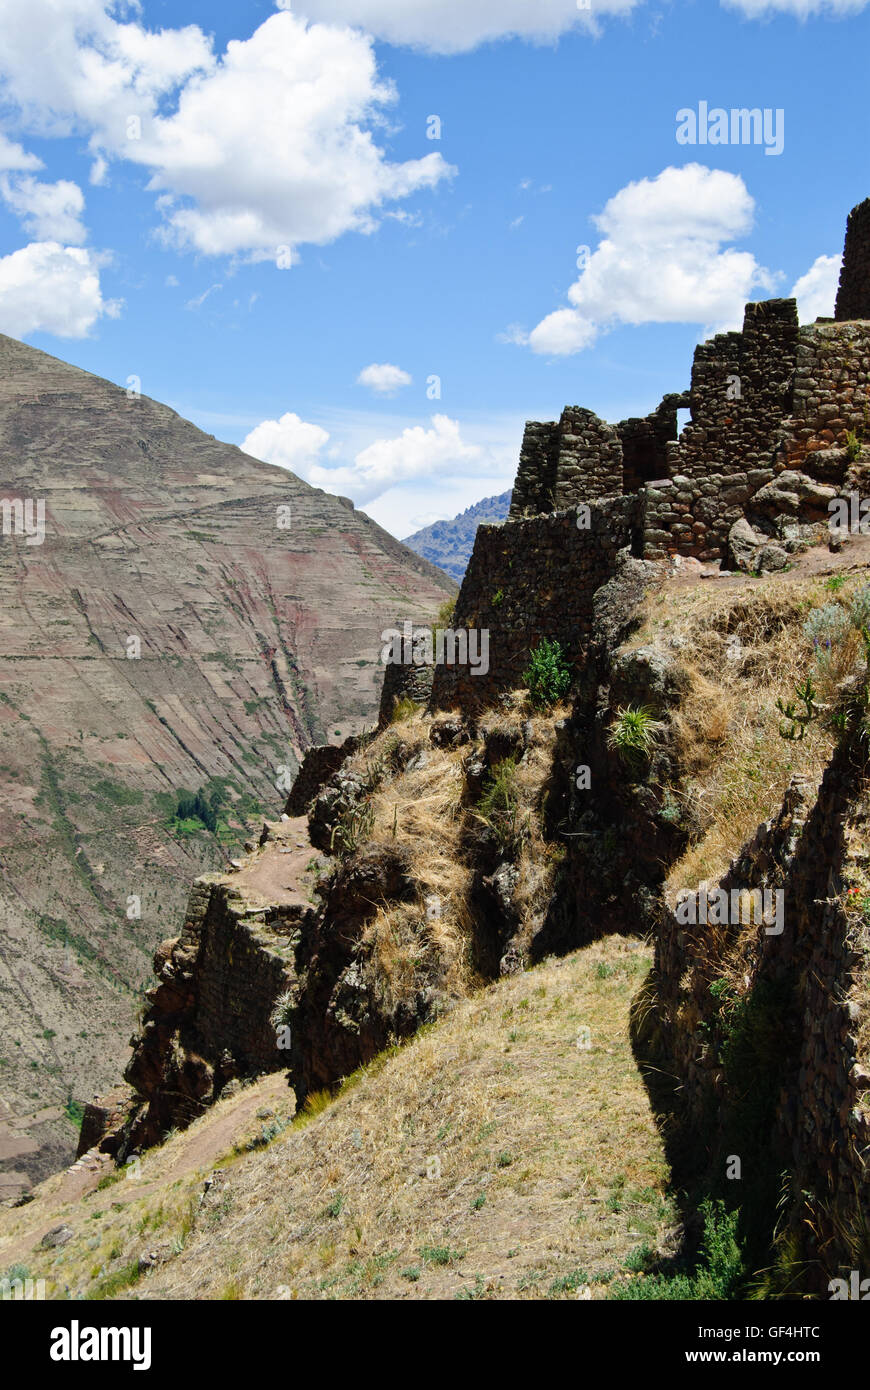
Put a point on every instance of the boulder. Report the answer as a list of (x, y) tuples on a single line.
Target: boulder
[(744, 544)]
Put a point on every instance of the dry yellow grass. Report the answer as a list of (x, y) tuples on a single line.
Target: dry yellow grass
[(744, 650), (422, 810), (491, 1157)]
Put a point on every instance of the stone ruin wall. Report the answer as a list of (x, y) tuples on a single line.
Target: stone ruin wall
[(853, 295), (830, 398), (532, 579), (740, 394), (208, 1019), (240, 975), (820, 1120), (775, 396), (561, 465)]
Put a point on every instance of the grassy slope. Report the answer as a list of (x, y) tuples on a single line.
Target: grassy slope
[(551, 1169)]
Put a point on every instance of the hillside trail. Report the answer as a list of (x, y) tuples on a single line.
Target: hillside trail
[(57, 1200)]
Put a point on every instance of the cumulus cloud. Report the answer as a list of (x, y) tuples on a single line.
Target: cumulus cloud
[(662, 258), (455, 26), (416, 453), (49, 288), (12, 156), (816, 292), (251, 153), (383, 378), (69, 66), (430, 454), (289, 442), (48, 211)]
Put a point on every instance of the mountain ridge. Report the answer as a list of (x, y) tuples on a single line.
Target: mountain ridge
[(448, 544)]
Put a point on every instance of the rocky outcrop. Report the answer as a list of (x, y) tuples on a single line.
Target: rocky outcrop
[(209, 1022)]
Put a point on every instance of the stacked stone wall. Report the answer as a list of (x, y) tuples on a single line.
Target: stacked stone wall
[(318, 765), (240, 974), (535, 484), (820, 1116), (533, 579), (740, 395), (853, 295), (830, 399), (561, 465)]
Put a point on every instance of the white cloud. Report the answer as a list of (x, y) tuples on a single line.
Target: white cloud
[(417, 453), (12, 156), (67, 65), (272, 147), (661, 260), (455, 26), (200, 299), (289, 442), (269, 145), (48, 288), (816, 292), (48, 211), (383, 378), (803, 9)]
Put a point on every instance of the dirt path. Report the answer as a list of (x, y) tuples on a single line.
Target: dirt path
[(56, 1200), (280, 874)]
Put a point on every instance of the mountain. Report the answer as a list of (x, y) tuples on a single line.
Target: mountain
[(448, 544), (190, 622)]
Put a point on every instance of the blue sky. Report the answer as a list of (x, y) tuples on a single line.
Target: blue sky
[(160, 249)]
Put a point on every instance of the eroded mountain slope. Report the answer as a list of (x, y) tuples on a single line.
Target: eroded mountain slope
[(192, 620)]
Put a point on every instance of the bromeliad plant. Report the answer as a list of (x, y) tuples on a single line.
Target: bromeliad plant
[(634, 735)]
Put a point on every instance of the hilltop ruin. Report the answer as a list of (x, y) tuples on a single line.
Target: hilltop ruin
[(778, 413)]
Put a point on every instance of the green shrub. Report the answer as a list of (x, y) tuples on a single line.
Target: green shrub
[(853, 446), (841, 652), (116, 1283), (569, 1283), (194, 807), (354, 826), (74, 1111), (720, 1268), (438, 1255), (548, 675)]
